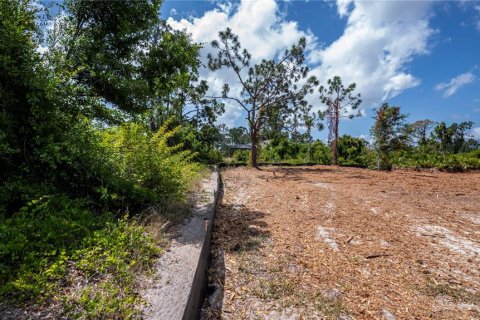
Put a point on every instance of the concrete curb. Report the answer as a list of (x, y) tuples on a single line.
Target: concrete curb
[(182, 270), (200, 280)]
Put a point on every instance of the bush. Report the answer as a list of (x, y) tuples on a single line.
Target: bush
[(145, 169), (286, 150), (420, 158), (55, 242), (353, 151), (240, 156)]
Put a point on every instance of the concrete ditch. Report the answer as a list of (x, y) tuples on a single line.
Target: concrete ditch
[(182, 270)]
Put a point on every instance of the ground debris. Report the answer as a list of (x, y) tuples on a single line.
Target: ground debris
[(305, 245)]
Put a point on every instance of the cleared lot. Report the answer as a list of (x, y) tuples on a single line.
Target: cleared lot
[(328, 242)]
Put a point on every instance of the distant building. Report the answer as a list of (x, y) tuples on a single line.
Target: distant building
[(239, 146)]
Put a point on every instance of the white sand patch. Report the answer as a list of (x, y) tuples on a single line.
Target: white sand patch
[(324, 235), (384, 243), (240, 199), (329, 207), (323, 185), (374, 210), (475, 218), (448, 239)]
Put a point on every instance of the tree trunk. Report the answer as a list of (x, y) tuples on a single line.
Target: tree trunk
[(253, 151), (335, 136)]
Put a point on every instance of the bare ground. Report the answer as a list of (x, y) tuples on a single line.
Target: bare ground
[(344, 243)]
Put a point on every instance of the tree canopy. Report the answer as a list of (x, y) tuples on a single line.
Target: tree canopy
[(275, 87)]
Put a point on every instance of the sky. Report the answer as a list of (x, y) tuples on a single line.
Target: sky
[(423, 56)]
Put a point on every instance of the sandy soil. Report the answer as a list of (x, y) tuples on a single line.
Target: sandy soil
[(344, 243)]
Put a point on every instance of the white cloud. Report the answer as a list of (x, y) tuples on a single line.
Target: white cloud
[(379, 41), (261, 30), (450, 88), (476, 133)]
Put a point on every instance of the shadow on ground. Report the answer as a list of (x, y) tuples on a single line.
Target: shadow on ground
[(236, 230)]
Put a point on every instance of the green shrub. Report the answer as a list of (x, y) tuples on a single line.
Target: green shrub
[(56, 242), (240, 156), (33, 243), (418, 158), (289, 151), (145, 169)]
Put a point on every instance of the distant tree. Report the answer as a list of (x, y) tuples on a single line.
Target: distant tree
[(279, 84), (340, 102), (388, 133), (420, 131), (351, 150), (275, 125), (453, 138), (239, 135)]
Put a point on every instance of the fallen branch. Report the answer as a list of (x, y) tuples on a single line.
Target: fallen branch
[(432, 235), (378, 255)]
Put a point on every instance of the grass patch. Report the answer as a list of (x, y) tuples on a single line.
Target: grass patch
[(274, 288), (331, 308), (56, 251), (457, 293)]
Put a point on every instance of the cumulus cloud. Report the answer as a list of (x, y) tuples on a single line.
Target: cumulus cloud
[(379, 41), (476, 133), (450, 88), (261, 29)]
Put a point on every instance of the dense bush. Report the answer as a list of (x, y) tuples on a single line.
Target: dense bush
[(289, 151), (418, 158), (145, 169), (55, 235), (353, 151)]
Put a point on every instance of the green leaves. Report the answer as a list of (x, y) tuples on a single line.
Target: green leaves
[(145, 169), (276, 86), (388, 133)]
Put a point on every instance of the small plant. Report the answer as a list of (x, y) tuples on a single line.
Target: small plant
[(275, 288)]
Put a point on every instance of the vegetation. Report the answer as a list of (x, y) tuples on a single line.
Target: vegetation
[(388, 133), (271, 87), (341, 103), (88, 141), (114, 119)]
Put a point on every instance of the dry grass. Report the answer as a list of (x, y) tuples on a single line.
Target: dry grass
[(327, 242)]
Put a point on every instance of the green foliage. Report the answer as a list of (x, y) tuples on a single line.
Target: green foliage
[(452, 138), (145, 169), (55, 239), (68, 156), (201, 141), (286, 150), (388, 133), (430, 159), (240, 156), (352, 151)]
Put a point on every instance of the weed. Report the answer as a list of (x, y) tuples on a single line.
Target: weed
[(459, 294), (275, 288), (331, 308)]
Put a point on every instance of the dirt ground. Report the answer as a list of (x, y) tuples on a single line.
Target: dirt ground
[(327, 242)]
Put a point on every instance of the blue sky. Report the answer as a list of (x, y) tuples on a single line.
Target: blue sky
[(422, 56)]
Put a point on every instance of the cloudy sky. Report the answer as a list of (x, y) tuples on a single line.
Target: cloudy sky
[(420, 55)]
